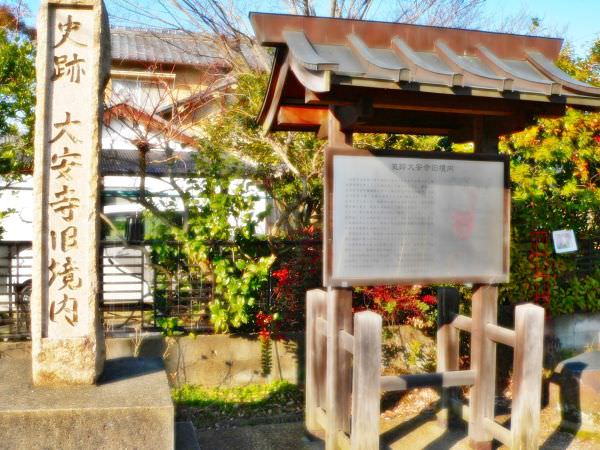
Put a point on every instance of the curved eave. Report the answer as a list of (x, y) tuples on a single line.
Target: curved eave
[(275, 81)]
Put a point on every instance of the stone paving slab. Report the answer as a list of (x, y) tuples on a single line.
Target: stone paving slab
[(130, 408), (284, 436)]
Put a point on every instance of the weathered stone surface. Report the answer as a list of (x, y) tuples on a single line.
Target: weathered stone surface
[(230, 360), (575, 390), (73, 57), (209, 360), (130, 408), (68, 361)]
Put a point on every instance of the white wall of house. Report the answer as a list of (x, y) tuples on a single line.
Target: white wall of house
[(120, 134), (18, 197)]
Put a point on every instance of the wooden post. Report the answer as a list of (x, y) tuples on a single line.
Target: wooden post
[(447, 350), (336, 136), (483, 141), (339, 317), (483, 362), (366, 385), (346, 324), (527, 376), (339, 312), (315, 358)]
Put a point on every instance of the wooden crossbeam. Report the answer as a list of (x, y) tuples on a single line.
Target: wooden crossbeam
[(462, 323), (500, 335), (499, 432), (346, 341)]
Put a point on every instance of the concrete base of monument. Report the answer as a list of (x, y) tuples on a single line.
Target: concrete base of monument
[(130, 407)]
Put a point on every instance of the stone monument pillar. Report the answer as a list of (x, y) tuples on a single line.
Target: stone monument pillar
[(73, 62)]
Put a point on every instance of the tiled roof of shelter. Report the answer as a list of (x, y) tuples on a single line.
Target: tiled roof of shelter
[(319, 61), (160, 46)]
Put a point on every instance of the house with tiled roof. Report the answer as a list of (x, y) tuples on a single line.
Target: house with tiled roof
[(154, 75)]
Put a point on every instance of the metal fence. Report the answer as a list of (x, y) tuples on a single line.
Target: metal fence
[(136, 293), (15, 289)]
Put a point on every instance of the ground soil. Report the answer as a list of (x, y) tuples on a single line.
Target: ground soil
[(407, 422)]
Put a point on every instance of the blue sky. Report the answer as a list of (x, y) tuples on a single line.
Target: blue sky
[(577, 21)]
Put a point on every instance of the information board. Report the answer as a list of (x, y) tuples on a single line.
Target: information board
[(400, 217)]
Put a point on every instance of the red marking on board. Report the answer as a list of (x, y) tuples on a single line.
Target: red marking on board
[(464, 223)]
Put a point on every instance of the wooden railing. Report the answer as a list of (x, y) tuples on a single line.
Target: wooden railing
[(343, 370)]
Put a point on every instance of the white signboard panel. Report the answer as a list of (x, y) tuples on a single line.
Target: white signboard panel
[(407, 219)]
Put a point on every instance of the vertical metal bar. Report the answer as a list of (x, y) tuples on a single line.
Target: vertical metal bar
[(101, 287)]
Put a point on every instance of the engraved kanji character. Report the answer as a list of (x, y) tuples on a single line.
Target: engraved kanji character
[(66, 29), (66, 202), (63, 163), (69, 279), (73, 68), (63, 127), (68, 239), (67, 305)]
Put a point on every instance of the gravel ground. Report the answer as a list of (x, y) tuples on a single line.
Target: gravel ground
[(418, 408)]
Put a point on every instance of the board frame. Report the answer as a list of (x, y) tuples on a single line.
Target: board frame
[(328, 256)]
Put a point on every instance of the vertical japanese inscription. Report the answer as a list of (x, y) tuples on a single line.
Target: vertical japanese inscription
[(67, 153), (72, 66)]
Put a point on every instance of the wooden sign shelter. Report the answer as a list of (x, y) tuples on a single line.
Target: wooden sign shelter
[(337, 77)]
